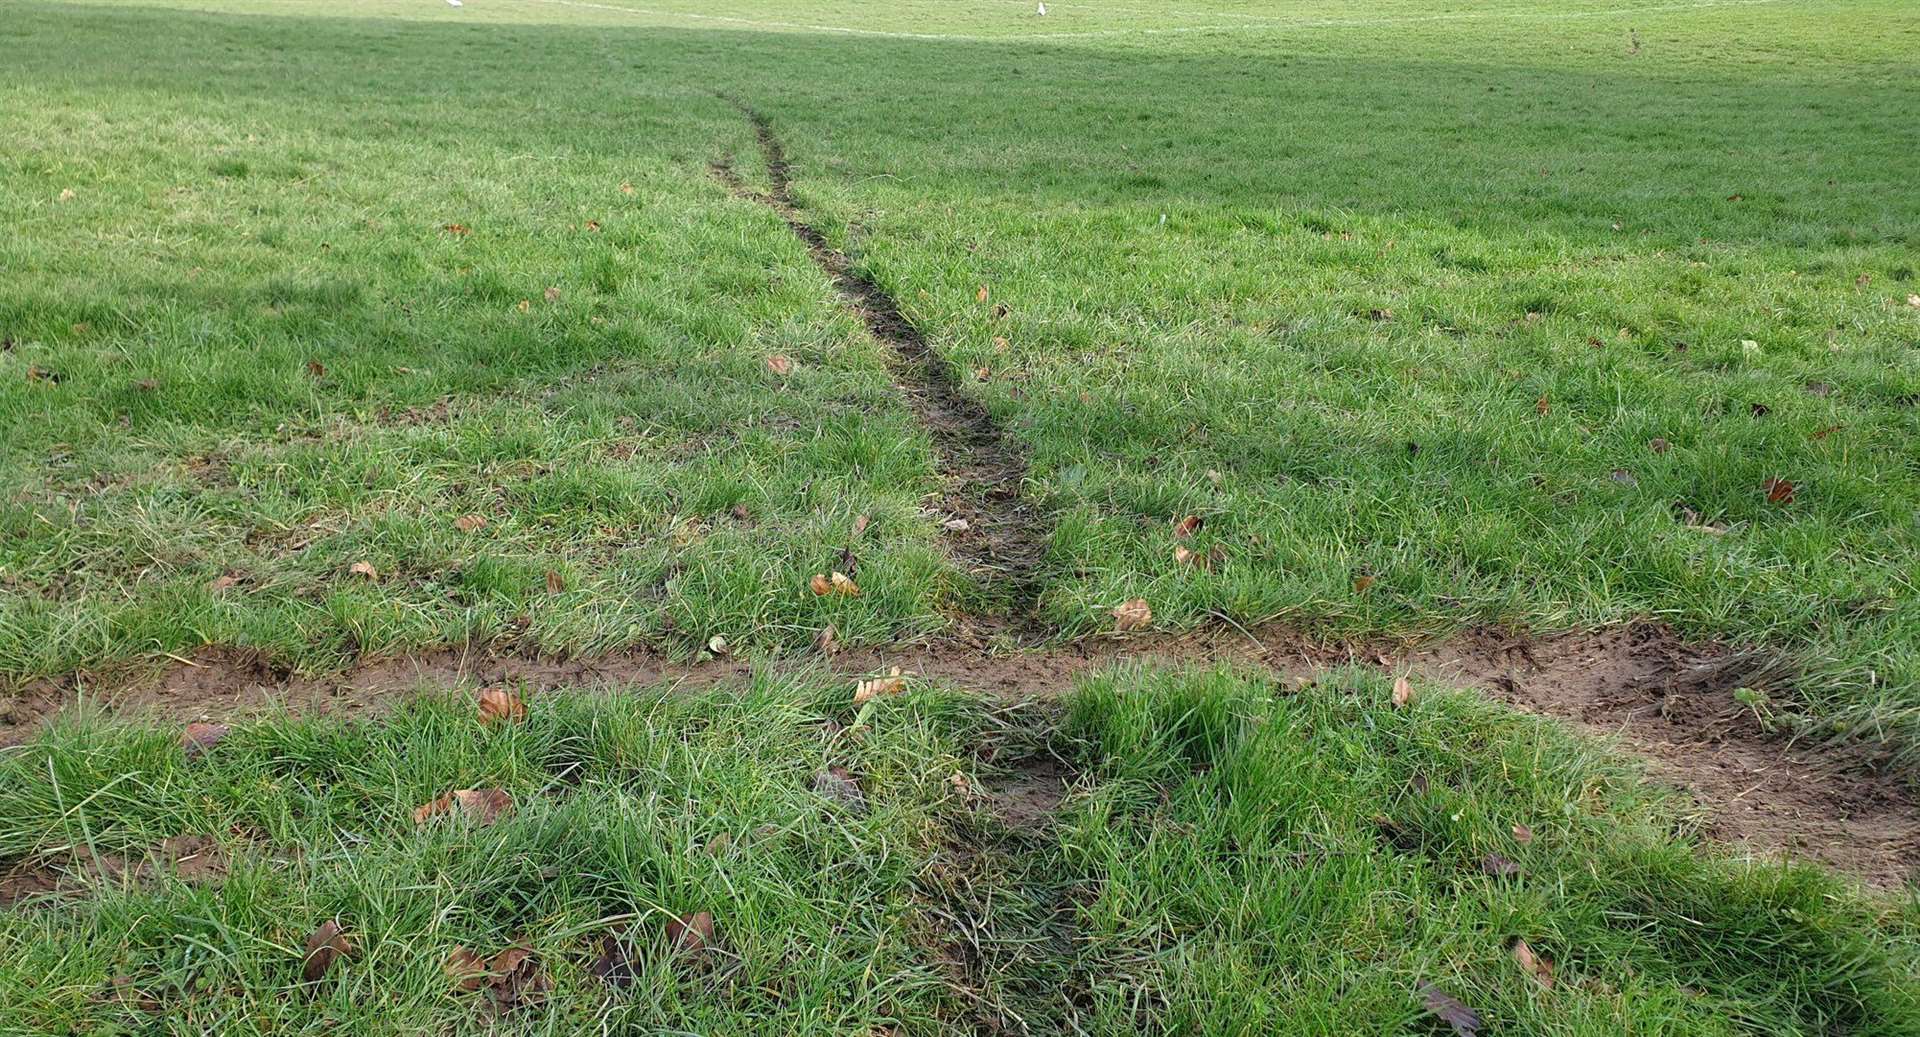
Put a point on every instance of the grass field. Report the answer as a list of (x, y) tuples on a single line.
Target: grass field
[(335, 331)]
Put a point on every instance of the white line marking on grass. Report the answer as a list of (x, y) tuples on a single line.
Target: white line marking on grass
[(1241, 27)]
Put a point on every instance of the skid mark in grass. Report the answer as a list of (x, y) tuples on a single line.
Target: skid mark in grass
[(998, 536), (1689, 709)]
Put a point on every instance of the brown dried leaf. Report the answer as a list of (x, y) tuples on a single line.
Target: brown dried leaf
[(222, 583), (555, 582), (1361, 584), (1402, 691), (1543, 406), (481, 806), (981, 295), (500, 706), (820, 584), (197, 738), (1187, 526), (1465, 1021), (860, 524), (593, 225), (1499, 866), (1825, 432), (516, 979), (827, 640), (467, 969), (470, 523), (326, 945), (1779, 491), (1659, 445), (1522, 834), (691, 935), (458, 230), (842, 584), (1132, 614), (316, 369), (552, 293), (365, 569), (780, 365), (626, 188), (891, 684), (1182, 556), (1540, 968)]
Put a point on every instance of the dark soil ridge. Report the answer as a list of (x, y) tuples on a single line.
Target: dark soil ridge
[(1668, 701), (1003, 540)]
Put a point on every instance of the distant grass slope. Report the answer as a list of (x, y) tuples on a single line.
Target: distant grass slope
[(1232, 857)]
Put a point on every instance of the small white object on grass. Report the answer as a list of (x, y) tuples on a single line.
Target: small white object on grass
[(1043, 9), (454, 3)]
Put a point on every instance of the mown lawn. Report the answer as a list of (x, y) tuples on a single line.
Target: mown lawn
[(1517, 313), (338, 329)]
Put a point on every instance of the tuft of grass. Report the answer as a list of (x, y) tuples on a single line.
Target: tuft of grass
[(1226, 855)]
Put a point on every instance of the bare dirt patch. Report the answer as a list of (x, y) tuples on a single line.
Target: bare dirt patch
[(997, 535), (1667, 700)]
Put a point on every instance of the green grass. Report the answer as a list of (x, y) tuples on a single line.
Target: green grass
[(1232, 858), (1192, 216)]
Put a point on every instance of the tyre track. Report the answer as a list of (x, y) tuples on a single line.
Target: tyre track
[(996, 534)]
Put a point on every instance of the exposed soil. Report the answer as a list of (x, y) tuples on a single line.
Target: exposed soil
[(194, 858), (1662, 698), (1003, 540)]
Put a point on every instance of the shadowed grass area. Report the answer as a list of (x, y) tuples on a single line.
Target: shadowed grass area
[(1230, 856)]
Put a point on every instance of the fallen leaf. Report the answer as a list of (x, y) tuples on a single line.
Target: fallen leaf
[(1736, 198), (891, 684), (841, 584), (626, 188), (983, 374), (613, 962), (593, 225), (481, 806), (1863, 280), (470, 523), (1624, 477), (1132, 614), (365, 569), (860, 524), (956, 525), (1819, 389), (1465, 1021), (838, 784), (827, 640), (221, 583), (1185, 527), (1913, 300), (981, 295), (780, 365), (1658, 445), (1542, 405), (1182, 556), (500, 706), (515, 979), (717, 645), (316, 369), (467, 969), (1214, 476), (1000, 343), (197, 738), (66, 194), (691, 935), (1380, 314), (1500, 867), (326, 945), (820, 584), (1362, 583), (1402, 691), (1779, 491), (1825, 432), (458, 230), (524, 305), (552, 293), (1759, 410), (555, 582), (1532, 964), (1522, 834), (147, 384), (742, 513)]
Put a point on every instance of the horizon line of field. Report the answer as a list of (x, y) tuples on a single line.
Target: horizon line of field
[(1250, 24)]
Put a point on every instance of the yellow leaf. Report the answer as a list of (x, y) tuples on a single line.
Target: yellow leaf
[(1132, 614), (1402, 691)]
